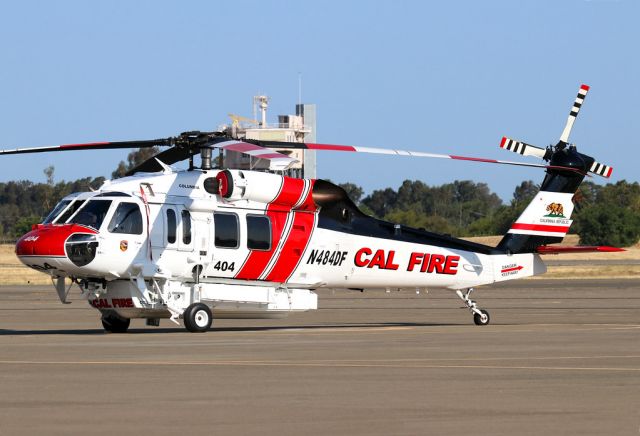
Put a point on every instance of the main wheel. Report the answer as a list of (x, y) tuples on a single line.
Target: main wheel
[(197, 318), (481, 319), (114, 323)]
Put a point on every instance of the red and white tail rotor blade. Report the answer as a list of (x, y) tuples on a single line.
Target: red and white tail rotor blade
[(577, 104), (601, 169), (522, 148)]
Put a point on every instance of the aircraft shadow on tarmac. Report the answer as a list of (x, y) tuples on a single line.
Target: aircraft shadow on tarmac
[(181, 330)]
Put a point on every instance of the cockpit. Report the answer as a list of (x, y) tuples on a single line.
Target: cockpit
[(71, 229), (91, 210)]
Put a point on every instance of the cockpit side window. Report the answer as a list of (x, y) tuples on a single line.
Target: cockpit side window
[(126, 219), (56, 211), (77, 204), (92, 214)]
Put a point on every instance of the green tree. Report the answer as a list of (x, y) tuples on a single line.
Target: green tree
[(24, 224), (354, 191), (606, 224), (612, 216), (380, 202), (48, 172), (524, 193)]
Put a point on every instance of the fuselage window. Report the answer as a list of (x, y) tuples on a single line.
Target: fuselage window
[(186, 227), (92, 214), (126, 219), (258, 232), (171, 226), (227, 230)]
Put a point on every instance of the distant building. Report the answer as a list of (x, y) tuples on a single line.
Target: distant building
[(300, 127)]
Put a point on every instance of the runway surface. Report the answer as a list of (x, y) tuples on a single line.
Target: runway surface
[(558, 358)]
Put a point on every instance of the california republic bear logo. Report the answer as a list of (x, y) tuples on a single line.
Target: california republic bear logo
[(555, 210)]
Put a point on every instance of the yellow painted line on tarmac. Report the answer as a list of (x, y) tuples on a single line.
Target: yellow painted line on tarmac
[(346, 364)]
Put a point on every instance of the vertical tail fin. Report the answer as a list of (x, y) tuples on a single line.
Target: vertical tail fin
[(547, 219)]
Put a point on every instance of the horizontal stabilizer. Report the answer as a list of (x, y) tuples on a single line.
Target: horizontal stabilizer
[(549, 249)]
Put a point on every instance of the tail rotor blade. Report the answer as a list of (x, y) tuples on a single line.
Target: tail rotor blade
[(577, 104), (601, 169), (522, 148)]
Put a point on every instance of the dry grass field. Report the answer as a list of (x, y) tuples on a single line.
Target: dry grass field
[(12, 272)]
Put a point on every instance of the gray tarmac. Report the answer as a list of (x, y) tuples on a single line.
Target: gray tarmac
[(558, 358)]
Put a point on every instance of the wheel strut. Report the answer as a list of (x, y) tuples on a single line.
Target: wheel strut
[(480, 316)]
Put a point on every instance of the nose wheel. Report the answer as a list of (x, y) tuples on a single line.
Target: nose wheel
[(480, 316)]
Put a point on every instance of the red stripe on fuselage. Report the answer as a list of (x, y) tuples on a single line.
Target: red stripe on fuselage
[(297, 240), (289, 194), (294, 247)]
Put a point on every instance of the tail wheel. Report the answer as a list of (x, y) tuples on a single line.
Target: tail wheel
[(481, 318), (197, 318), (114, 323)]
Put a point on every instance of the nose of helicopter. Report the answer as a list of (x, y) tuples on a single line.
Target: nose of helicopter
[(51, 247)]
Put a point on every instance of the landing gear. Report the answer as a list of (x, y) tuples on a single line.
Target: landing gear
[(114, 323), (197, 318), (480, 316)]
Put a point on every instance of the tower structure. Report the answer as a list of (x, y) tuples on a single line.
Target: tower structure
[(300, 127)]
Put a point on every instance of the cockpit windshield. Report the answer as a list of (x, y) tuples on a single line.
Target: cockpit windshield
[(92, 214), (70, 211), (56, 211)]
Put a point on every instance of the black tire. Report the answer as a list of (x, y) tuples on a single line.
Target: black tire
[(114, 323), (481, 320), (197, 318)]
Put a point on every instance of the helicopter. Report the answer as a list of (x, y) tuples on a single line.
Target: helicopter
[(207, 242)]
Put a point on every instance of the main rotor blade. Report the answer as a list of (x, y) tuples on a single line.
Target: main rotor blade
[(277, 161), (350, 148), (577, 104), (90, 146), (167, 157)]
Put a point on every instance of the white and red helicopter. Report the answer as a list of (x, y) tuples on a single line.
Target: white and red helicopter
[(203, 243)]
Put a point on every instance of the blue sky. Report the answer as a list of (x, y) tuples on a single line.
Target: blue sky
[(444, 77)]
